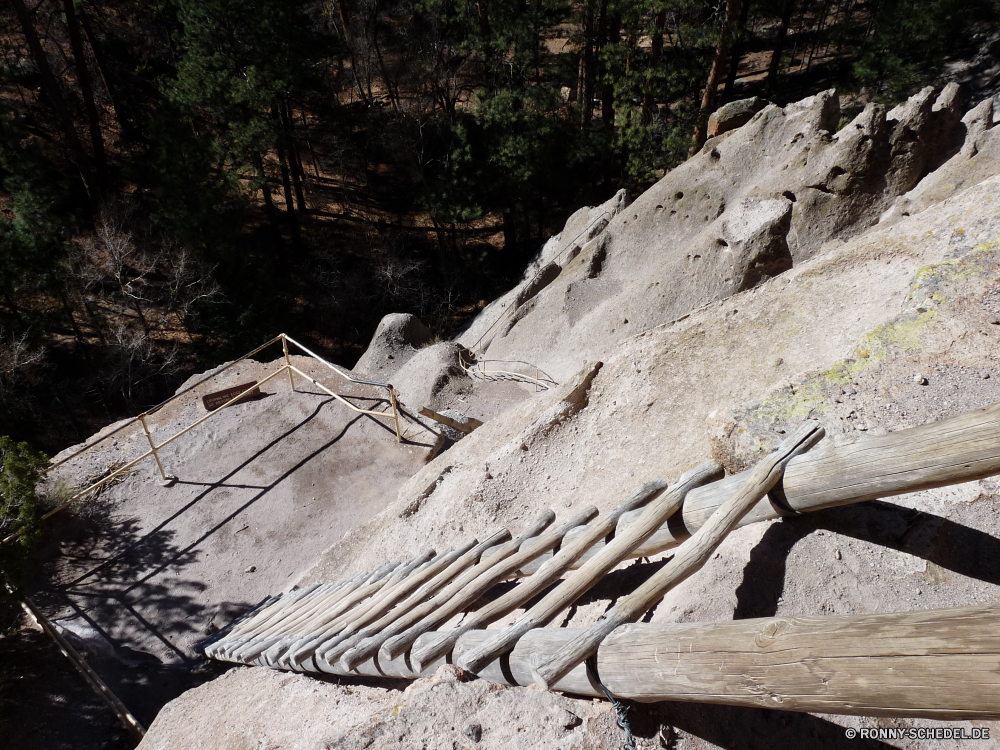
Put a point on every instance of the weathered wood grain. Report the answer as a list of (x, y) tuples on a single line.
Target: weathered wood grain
[(958, 449), (453, 423), (380, 631), (583, 538), (469, 595), (942, 664), (403, 582), (284, 607), (689, 558), (582, 580), (265, 639), (337, 634)]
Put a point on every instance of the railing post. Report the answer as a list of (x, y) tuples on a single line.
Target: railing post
[(168, 479), (288, 361), (395, 412)]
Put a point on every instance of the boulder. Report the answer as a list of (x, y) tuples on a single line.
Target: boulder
[(396, 339), (755, 232), (733, 115), (431, 377)]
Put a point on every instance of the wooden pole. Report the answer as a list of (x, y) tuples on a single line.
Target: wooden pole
[(264, 640), (225, 647), (569, 552), (337, 396), (395, 413), (336, 644), (469, 595), (453, 423), (689, 558), (125, 716), (219, 643), (582, 580), (153, 449), (371, 645), (934, 664), (288, 361), (402, 579), (958, 449)]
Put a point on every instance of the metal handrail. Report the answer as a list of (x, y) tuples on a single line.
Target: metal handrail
[(154, 448)]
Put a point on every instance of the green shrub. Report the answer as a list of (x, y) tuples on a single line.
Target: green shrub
[(20, 469)]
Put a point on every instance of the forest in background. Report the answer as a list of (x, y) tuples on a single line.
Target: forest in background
[(180, 180)]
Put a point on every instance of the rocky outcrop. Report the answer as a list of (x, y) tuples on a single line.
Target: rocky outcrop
[(396, 339), (429, 374), (733, 115), (790, 270), (668, 253)]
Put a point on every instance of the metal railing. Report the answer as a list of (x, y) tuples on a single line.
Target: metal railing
[(155, 448)]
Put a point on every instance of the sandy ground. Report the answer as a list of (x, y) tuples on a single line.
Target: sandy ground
[(140, 574)]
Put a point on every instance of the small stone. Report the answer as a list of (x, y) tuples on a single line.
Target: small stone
[(777, 362), (919, 380), (251, 569), (836, 553), (995, 321), (984, 375), (474, 732), (568, 503), (566, 719)]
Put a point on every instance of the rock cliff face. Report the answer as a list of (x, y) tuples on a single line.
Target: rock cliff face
[(797, 266), (753, 202)]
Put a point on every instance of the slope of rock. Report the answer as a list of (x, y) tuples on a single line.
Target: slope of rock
[(683, 243), (791, 269), (144, 572)]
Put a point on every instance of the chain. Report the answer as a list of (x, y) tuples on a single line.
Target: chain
[(621, 710)]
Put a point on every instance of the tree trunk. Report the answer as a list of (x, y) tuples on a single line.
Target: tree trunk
[(509, 231), (293, 157), (613, 36), (86, 89), (312, 152), (738, 46), (102, 68), (258, 164), (655, 51), (779, 47), (286, 182), (484, 19), (733, 8), (52, 90), (589, 64)]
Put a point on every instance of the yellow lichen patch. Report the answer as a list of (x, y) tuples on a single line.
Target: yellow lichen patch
[(807, 396), (976, 262)]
